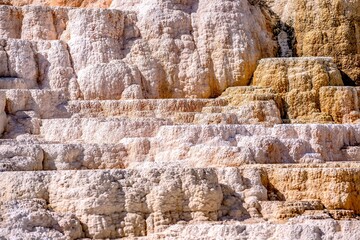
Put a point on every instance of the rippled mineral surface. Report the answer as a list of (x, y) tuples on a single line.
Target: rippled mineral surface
[(180, 119)]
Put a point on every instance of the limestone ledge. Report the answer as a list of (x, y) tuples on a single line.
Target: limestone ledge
[(299, 83), (86, 154), (139, 202), (89, 48), (119, 143), (215, 145), (63, 3), (301, 228), (322, 28)]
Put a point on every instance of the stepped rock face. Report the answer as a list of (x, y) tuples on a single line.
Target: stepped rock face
[(3, 120), (64, 3), (151, 57), (179, 119), (342, 103), (298, 82), (126, 203), (324, 28), (206, 53)]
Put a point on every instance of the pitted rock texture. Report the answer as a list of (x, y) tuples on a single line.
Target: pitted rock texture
[(153, 57), (99, 144), (167, 119), (62, 3), (128, 203), (296, 229), (298, 83), (324, 28), (205, 52), (341, 103)]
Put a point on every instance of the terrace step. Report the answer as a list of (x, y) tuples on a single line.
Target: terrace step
[(90, 197), (98, 130), (45, 103), (21, 156), (128, 107), (16, 83)]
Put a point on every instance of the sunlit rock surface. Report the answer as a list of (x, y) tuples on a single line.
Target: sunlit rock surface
[(168, 119)]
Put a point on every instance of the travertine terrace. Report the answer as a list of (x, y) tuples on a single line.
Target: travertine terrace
[(169, 119)]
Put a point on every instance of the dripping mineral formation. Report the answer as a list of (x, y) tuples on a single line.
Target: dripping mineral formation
[(168, 119)]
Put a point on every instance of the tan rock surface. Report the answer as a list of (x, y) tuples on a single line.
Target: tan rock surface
[(135, 202), (162, 120), (324, 28), (341, 103), (295, 184), (298, 82), (64, 3)]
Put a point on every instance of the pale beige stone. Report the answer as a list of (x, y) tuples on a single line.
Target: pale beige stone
[(83, 156), (98, 130), (95, 36), (32, 218), (55, 65), (38, 24), (298, 229), (236, 145), (163, 76), (130, 203), (149, 120), (21, 158), (36, 64), (22, 62), (65, 3), (107, 81), (3, 119), (11, 24), (46, 103), (182, 53)]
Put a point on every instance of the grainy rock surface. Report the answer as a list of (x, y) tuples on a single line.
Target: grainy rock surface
[(64, 3), (298, 83), (159, 51), (324, 28), (167, 119)]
